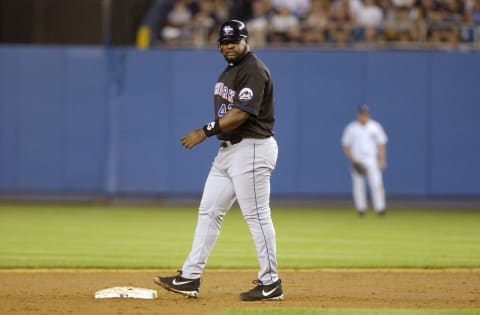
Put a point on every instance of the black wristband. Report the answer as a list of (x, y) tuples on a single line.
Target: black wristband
[(212, 128)]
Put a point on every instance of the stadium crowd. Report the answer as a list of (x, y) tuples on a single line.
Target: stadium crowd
[(336, 23)]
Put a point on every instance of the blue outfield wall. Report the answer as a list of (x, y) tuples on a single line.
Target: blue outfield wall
[(89, 120)]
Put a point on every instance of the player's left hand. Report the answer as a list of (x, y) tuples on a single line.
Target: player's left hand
[(359, 168), (193, 138)]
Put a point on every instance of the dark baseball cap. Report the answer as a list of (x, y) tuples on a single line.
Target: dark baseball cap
[(364, 108)]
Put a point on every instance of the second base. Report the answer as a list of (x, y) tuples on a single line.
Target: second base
[(126, 292)]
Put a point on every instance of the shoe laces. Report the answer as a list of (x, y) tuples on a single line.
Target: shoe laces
[(178, 275), (257, 283)]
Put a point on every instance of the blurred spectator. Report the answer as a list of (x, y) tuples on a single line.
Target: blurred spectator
[(299, 8), (403, 3), (258, 24), (443, 35), (354, 7), (368, 21), (171, 36), (400, 25), (453, 11), (323, 22), (316, 22), (371, 35), (206, 21), (443, 18), (433, 12), (369, 14), (386, 6), (241, 10), (177, 28), (339, 12), (340, 23), (475, 20), (180, 14), (340, 35), (285, 27), (475, 13), (222, 9)]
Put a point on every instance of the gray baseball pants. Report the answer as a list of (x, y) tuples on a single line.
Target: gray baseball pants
[(239, 172)]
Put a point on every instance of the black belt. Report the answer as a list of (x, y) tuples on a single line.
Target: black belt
[(227, 143)]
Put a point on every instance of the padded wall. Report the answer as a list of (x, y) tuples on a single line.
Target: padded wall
[(87, 120)]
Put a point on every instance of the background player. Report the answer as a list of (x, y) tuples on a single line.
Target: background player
[(244, 112), (364, 143)]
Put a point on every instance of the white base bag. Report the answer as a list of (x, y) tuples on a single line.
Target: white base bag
[(126, 292)]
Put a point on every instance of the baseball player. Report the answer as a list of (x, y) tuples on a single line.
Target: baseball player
[(241, 170), (364, 143)]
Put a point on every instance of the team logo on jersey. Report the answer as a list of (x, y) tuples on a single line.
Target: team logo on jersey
[(245, 95)]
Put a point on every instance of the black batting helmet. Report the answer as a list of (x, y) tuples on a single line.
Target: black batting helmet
[(232, 30)]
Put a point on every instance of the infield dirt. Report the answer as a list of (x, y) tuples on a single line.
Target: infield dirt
[(72, 291)]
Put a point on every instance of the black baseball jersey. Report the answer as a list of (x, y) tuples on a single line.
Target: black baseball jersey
[(246, 85)]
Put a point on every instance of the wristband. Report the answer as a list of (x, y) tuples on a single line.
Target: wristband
[(212, 128)]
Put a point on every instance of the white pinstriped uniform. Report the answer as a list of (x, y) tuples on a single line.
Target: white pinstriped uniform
[(363, 141)]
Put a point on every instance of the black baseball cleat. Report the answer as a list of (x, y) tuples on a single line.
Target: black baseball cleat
[(178, 284), (263, 292)]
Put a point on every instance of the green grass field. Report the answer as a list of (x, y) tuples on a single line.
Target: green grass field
[(84, 236), (160, 237)]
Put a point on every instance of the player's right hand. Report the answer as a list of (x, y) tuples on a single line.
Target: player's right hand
[(193, 138)]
